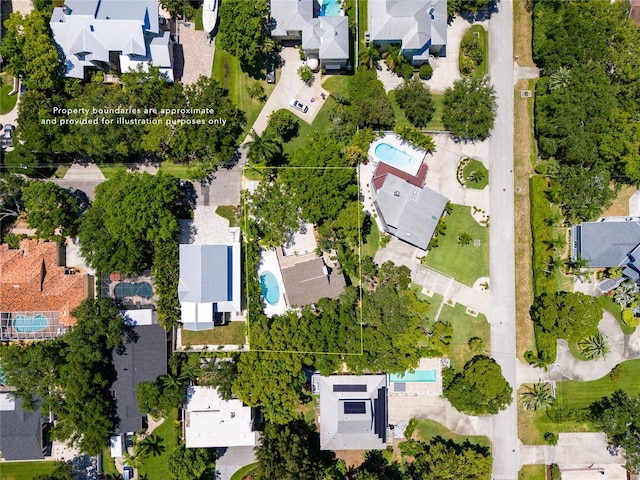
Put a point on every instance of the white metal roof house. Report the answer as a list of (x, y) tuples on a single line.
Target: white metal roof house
[(323, 37), (111, 35), (353, 411), (419, 26), (211, 422), (209, 283)]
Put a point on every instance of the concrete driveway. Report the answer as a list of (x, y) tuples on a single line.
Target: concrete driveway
[(233, 459), (290, 86)]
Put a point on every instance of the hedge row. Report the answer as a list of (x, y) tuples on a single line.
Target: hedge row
[(541, 231)]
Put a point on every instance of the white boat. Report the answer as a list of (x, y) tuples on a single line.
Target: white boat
[(209, 15)]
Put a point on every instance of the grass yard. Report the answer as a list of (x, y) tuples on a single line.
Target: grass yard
[(245, 471), (464, 327), (466, 263), (197, 20), (533, 425), (620, 206), (156, 467), (230, 212), (577, 394), (320, 123), (613, 308), (398, 113), (428, 429), (372, 240), (179, 170), (110, 170), (25, 470), (363, 20), (7, 102), (226, 70), (436, 121), (481, 70), (233, 333), (522, 28), (476, 174), (336, 84), (533, 472), (108, 463), (435, 301)]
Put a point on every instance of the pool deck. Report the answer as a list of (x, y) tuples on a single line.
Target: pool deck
[(269, 263), (422, 388), (396, 142)]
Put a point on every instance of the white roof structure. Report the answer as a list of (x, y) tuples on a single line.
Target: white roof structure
[(115, 442), (209, 283), (139, 317), (107, 34), (210, 422), (353, 411)]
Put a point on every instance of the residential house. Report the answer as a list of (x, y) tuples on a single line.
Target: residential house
[(23, 434), (611, 242), (111, 35), (418, 26), (325, 38), (353, 411), (208, 421), (209, 284), (142, 359), (37, 291), (407, 209)]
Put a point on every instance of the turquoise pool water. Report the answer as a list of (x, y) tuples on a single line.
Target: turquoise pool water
[(270, 288), (25, 324), (330, 8), (397, 158), (127, 289), (417, 376)]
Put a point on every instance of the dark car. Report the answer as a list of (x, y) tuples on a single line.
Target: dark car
[(128, 440), (7, 138), (271, 72)]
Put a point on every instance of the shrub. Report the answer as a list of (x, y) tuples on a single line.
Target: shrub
[(404, 70), (13, 240), (616, 373), (410, 448), (629, 319), (476, 345), (470, 46), (466, 65), (546, 345), (284, 124), (426, 71), (551, 438), (305, 73), (411, 427)]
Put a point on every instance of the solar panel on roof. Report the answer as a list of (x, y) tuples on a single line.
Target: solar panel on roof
[(354, 408), (349, 388)]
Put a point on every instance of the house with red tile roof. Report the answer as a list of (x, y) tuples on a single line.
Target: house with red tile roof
[(37, 291)]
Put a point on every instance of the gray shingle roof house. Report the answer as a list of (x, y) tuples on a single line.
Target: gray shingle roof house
[(323, 37), (143, 359), (611, 242), (420, 26), (111, 35), (21, 432), (353, 411), (408, 212), (308, 282), (209, 283)]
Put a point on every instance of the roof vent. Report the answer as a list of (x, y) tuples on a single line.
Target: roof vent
[(396, 193)]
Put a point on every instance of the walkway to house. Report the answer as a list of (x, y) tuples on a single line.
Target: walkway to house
[(193, 56)]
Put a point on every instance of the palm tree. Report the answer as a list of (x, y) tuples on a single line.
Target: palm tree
[(559, 79), (394, 58), (152, 444), (537, 396), (595, 346), (269, 45), (263, 149), (575, 266), (477, 176), (369, 56)]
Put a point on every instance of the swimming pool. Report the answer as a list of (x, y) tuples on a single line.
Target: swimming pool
[(397, 158), (128, 289), (417, 376), (330, 8), (270, 288), (25, 324)]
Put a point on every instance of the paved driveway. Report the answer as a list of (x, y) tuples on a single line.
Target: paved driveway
[(290, 86), (232, 460)]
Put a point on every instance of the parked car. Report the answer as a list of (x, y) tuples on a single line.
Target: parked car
[(299, 105), (7, 138), (128, 442), (127, 472), (271, 72)]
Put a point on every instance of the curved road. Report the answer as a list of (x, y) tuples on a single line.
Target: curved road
[(502, 248)]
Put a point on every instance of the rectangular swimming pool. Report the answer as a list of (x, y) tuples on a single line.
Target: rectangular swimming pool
[(330, 8), (429, 376)]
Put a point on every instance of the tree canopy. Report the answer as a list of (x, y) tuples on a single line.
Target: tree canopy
[(370, 106), (469, 109), (479, 389), (50, 208), (415, 99), (442, 459), (131, 212), (567, 315)]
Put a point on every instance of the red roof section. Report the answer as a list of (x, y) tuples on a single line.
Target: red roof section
[(32, 281), (383, 170)]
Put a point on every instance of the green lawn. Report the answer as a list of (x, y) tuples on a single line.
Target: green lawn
[(614, 309), (230, 212), (436, 121), (427, 429), (226, 70), (198, 19), (320, 123), (464, 327), (7, 102), (253, 173), (244, 471), (110, 170), (435, 301), (233, 333), (156, 467), (577, 394), (372, 240), (363, 20), (533, 472), (336, 84), (476, 174), (24, 470), (482, 69), (179, 170), (465, 263)]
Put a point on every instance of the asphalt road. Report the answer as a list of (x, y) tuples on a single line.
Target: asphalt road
[(502, 248)]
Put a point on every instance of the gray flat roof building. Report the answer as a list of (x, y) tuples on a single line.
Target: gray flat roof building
[(353, 411), (410, 213), (21, 434), (607, 243)]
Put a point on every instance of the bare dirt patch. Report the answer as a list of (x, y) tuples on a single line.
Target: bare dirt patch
[(620, 206), (522, 28), (523, 168)]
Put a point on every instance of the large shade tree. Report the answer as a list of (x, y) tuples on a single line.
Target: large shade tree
[(469, 109), (50, 209)]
